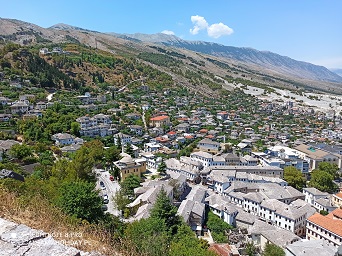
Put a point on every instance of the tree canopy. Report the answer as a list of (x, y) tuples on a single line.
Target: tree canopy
[(294, 177), (273, 250), (79, 199), (129, 184)]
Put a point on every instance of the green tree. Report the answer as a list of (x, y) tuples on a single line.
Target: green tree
[(218, 228), (79, 199), (330, 168), (323, 181), (21, 151), (121, 200), (185, 243), (250, 249), (147, 237), (129, 150), (294, 177), (273, 250), (162, 167), (75, 129), (165, 210), (129, 184)]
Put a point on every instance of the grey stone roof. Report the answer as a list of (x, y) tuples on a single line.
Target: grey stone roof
[(315, 191), (277, 236), (311, 247), (7, 144), (189, 207), (255, 197), (221, 203), (197, 194)]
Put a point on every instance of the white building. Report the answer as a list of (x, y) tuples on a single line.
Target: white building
[(328, 227)]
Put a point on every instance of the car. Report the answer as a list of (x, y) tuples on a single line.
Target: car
[(102, 185), (105, 199), (111, 178), (104, 207)]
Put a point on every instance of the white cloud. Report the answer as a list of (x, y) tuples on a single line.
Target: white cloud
[(219, 29), (215, 30), (168, 32), (199, 24)]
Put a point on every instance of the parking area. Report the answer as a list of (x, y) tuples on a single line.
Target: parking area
[(108, 189)]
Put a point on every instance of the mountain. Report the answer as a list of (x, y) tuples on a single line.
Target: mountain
[(265, 59), (184, 60), (337, 71)]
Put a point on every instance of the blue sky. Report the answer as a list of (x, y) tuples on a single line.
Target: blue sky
[(307, 30)]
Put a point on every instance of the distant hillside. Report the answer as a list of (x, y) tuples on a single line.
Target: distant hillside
[(207, 68), (337, 71), (269, 60)]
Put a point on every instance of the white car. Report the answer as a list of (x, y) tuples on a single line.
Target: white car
[(105, 199)]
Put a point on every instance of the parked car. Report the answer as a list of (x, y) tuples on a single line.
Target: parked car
[(105, 199), (102, 185), (111, 178), (104, 207)]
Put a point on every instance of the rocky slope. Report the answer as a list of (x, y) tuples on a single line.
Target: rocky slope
[(210, 60), (268, 60)]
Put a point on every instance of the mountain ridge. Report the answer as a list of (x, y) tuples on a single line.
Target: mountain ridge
[(266, 59), (208, 60)]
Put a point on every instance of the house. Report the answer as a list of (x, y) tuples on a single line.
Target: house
[(222, 207), (127, 166), (19, 108), (337, 199), (182, 127), (315, 156), (62, 139), (152, 147), (146, 198), (327, 227), (5, 117), (44, 51), (133, 116), (5, 146), (311, 247), (193, 213), (262, 233), (98, 125), (185, 166), (208, 145), (322, 201), (124, 139), (269, 171), (71, 148), (160, 121), (4, 101), (224, 249), (41, 105), (223, 115), (137, 129), (290, 217)]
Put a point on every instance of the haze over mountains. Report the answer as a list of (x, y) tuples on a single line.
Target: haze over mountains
[(248, 58)]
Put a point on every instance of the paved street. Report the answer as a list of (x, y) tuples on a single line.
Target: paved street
[(111, 188)]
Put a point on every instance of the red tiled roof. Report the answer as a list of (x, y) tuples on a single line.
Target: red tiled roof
[(203, 131), (220, 249), (339, 195), (171, 133), (159, 118), (327, 222)]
